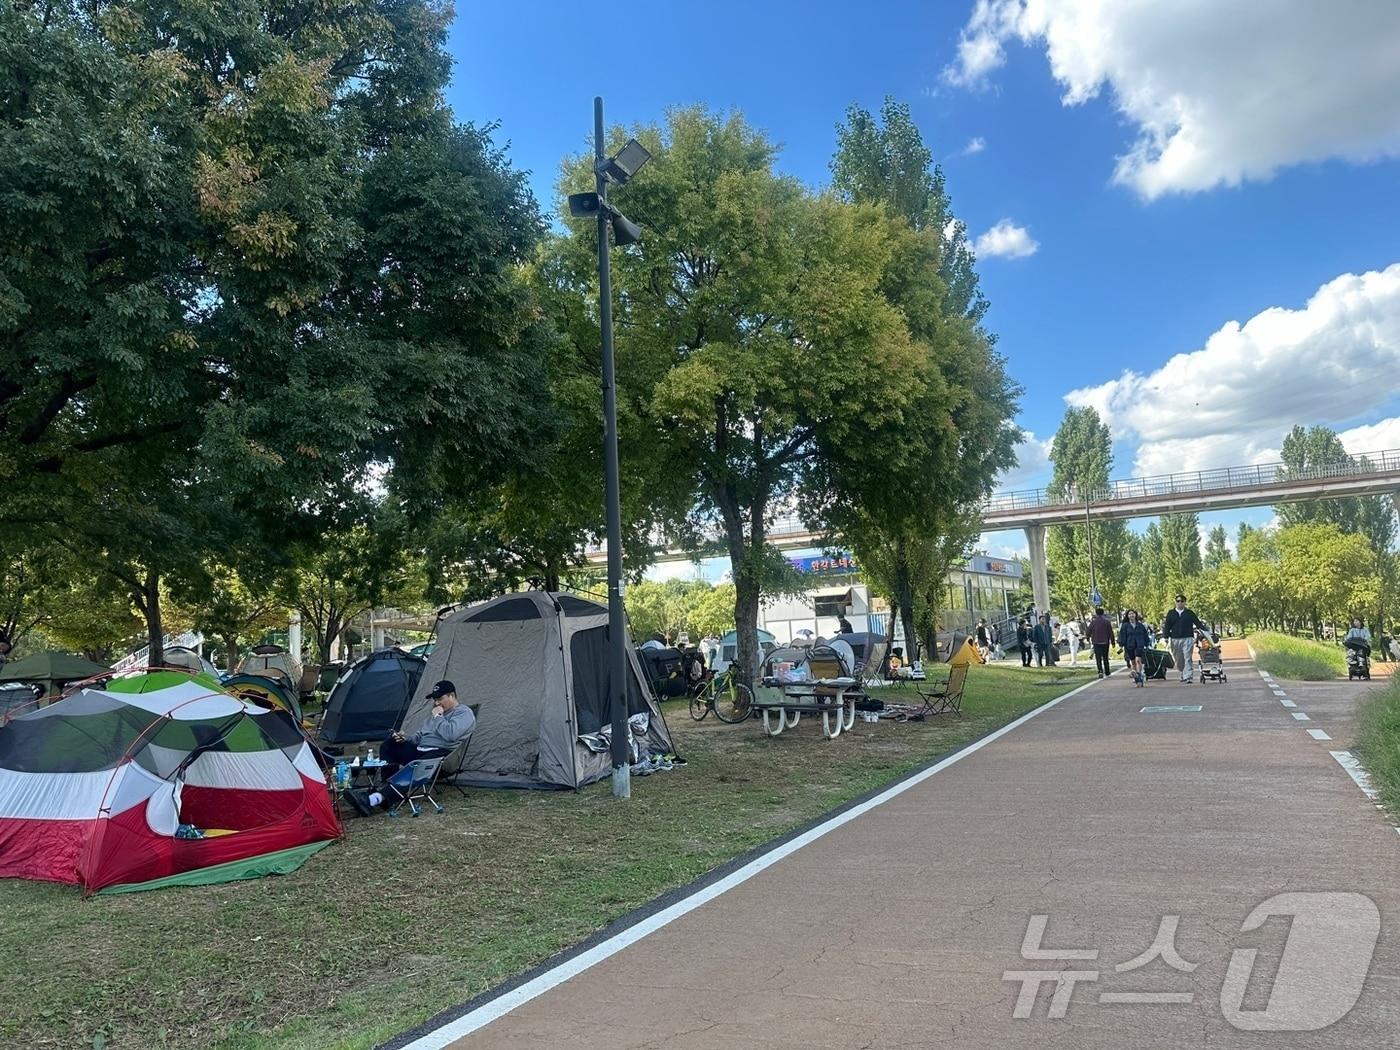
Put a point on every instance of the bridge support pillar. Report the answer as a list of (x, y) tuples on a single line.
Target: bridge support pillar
[(1040, 576)]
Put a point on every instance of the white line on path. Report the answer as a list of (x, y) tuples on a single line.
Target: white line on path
[(1348, 761), (557, 975), (1301, 717), (1286, 702), (1318, 734)]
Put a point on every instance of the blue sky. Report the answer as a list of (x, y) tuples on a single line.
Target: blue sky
[(1267, 174)]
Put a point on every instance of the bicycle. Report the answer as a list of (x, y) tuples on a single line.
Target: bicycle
[(731, 700)]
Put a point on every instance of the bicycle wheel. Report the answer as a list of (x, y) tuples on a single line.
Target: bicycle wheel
[(733, 703), (700, 706)]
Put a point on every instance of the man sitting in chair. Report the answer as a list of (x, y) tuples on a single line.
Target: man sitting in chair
[(438, 739)]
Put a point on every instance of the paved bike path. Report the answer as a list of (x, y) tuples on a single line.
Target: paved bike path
[(897, 929)]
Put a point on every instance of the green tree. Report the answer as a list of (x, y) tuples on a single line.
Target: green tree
[(221, 604), (1181, 549), (909, 534), (885, 161), (1217, 548), (353, 568), (1328, 575), (1306, 451), (755, 347), (714, 612), (246, 252), (1081, 456)]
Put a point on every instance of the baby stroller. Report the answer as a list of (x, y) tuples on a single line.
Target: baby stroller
[(1208, 654), (1358, 659)]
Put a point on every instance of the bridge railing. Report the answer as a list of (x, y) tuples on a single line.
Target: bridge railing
[(1195, 481)]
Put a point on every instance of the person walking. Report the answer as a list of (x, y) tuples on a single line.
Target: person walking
[(1023, 640), (1043, 638), (984, 641), (1132, 637), (1072, 632), (1101, 634), (1180, 629)]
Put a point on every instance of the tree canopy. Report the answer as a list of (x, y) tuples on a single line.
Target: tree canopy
[(246, 252)]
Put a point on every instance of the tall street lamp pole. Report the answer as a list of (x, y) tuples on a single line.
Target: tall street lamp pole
[(616, 169), (1094, 597), (617, 634)]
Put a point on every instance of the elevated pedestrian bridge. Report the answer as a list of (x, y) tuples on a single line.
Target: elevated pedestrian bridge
[(1226, 488)]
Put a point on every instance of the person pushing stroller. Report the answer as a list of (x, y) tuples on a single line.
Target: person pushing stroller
[(1358, 646), (1180, 627)]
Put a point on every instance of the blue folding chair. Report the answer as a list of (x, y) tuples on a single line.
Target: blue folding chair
[(413, 782)]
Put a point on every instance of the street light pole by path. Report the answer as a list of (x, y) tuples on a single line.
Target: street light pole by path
[(612, 169), (1095, 599), (617, 634)]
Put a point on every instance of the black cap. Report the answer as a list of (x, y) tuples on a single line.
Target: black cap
[(442, 689), (1181, 597)]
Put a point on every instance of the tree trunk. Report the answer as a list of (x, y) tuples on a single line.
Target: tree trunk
[(325, 639), (889, 638), (231, 652), (904, 599), (155, 629), (746, 602)]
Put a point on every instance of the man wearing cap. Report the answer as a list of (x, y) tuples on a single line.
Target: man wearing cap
[(1180, 628), (438, 739)]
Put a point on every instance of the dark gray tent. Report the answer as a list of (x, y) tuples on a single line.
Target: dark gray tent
[(368, 701), (534, 667)]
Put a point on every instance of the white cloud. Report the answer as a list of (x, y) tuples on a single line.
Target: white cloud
[(995, 545), (1232, 401), (1219, 91), (1032, 464), (1373, 437), (1006, 240), (977, 145)]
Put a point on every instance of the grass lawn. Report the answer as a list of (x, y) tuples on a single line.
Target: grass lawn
[(1297, 658), (505, 878), (1378, 742)]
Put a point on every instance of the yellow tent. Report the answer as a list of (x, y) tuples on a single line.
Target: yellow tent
[(965, 655)]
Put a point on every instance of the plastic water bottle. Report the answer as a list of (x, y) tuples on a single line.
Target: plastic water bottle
[(369, 759)]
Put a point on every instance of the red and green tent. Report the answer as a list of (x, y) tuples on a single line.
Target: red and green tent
[(158, 779)]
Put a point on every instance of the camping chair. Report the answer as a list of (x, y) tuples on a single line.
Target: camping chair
[(413, 782), (872, 668), (949, 698)]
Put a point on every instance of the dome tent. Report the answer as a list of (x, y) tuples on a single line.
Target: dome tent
[(534, 667), (265, 691), (96, 789), (368, 701)]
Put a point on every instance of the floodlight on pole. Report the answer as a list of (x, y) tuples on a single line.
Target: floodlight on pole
[(629, 160)]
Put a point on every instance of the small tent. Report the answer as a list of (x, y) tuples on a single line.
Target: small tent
[(962, 653), (729, 649), (368, 701), (265, 692), (158, 779), (183, 658), (51, 671), (272, 661), (534, 666)]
